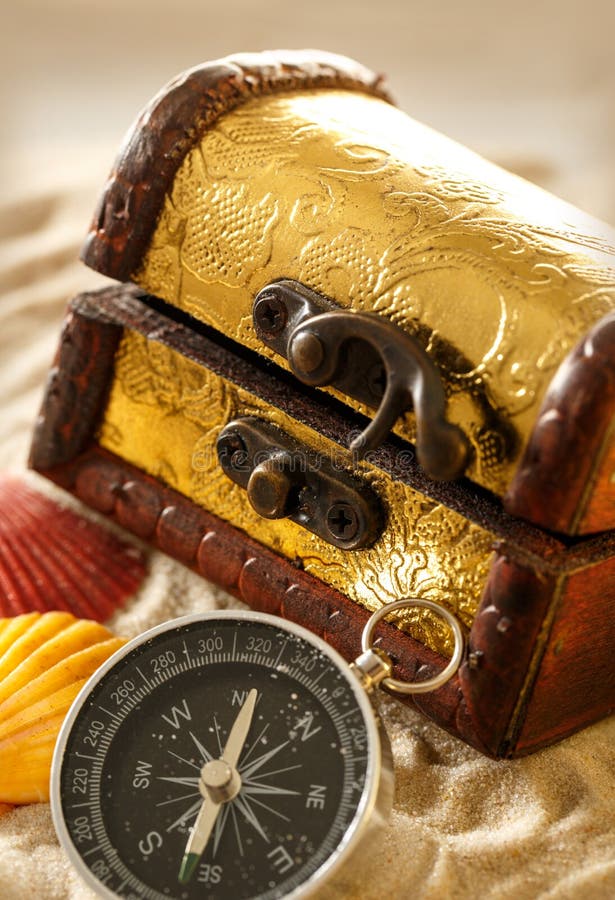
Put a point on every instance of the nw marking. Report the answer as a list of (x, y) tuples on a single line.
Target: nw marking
[(239, 698)]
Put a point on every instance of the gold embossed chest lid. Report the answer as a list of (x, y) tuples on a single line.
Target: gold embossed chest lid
[(297, 166)]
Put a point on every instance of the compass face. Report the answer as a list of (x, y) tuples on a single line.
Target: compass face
[(131, 777)]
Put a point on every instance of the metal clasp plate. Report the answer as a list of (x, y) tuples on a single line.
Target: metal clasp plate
[(286, 479)]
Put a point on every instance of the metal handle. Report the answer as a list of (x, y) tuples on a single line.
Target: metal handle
[(412, 380)]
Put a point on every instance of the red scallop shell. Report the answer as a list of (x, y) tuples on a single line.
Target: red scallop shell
[(51, 558)]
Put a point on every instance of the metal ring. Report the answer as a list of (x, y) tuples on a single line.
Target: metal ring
[(431, 684)]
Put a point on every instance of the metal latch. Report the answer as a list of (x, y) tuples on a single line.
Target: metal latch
[(286, 479), (368, 358)]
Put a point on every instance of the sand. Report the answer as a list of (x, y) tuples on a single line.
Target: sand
[(463, 826)]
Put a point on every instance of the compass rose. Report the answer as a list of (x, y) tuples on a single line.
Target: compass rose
[(248, 805)]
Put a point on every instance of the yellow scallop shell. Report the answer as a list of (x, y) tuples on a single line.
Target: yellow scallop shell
[(45, 659)]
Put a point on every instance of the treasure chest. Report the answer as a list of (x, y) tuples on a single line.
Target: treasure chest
[(347, 361)]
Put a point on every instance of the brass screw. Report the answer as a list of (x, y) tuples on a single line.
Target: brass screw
[(232, 451), (342, 521), (270, 314)]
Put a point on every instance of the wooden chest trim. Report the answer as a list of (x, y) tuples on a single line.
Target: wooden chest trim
[(575, 684), (561, 479)]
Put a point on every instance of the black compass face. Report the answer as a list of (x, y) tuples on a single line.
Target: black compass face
[(141, 764)]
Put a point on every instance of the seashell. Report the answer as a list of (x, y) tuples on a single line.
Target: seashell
[(45, 659), (53, 558)]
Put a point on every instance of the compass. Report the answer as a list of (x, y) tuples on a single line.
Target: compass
[(223, 755)]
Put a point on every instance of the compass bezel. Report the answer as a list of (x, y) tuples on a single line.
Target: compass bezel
[(376, 799)]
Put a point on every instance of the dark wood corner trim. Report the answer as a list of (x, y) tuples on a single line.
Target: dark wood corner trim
[(175, 120), (76, 389), (501, 647), (549, 488)]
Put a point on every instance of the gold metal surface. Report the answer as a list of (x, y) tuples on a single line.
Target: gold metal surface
[(348, 195), (164, 415)]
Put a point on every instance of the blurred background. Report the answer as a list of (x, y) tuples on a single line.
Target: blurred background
[(528, 84)]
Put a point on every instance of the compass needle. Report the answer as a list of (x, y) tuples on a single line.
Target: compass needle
[(199, 836), (240, 729), (219, 783)]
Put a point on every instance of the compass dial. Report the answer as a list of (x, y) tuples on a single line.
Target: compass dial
[(145, 755)]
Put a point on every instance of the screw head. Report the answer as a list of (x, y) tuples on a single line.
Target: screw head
[(342, 521), (232, 451), (270, 314)]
